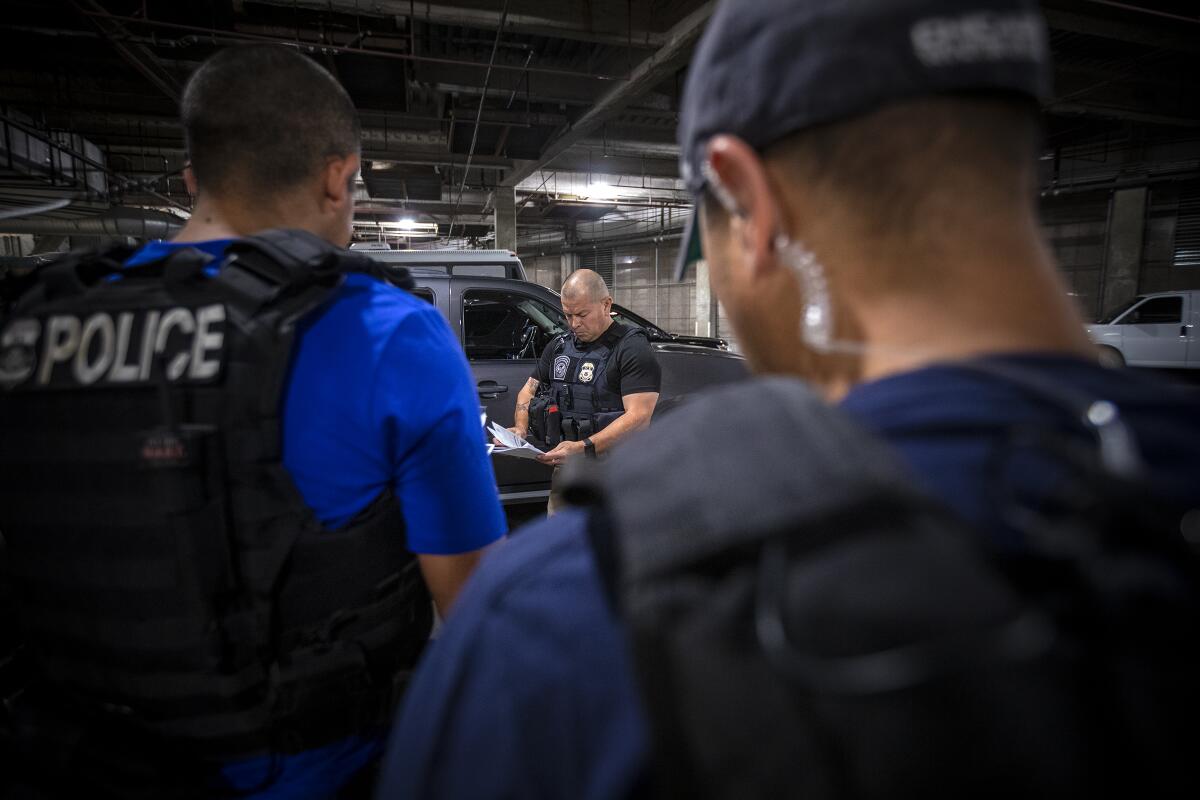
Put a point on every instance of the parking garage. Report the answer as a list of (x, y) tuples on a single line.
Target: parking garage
[(543, 174)]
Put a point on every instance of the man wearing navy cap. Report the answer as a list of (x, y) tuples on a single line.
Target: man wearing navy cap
[(865, 183)]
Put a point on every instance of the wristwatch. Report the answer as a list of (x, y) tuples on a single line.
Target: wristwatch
[(589, 448)]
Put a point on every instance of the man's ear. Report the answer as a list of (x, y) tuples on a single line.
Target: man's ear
[(189, 179), (755, 218), (340, 174)]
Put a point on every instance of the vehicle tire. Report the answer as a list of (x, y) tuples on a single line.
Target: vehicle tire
[(1110, 357)]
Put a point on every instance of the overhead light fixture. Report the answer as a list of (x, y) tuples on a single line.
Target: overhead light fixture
[(602, 190), (404, 226)]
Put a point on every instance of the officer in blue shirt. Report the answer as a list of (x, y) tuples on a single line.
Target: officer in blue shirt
[(865, 178), (380, 393), (378, 400)]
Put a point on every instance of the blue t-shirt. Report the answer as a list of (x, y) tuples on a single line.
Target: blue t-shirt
[(530, 691), (379, 396)]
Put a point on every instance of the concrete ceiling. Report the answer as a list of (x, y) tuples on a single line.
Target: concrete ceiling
[(580, 92)]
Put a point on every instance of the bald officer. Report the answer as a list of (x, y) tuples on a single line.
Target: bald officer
[(593, 385)]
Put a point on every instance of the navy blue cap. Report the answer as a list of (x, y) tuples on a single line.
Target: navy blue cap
[(765, 69)]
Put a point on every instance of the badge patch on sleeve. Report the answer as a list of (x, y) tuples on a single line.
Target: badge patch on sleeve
[(561, 365)]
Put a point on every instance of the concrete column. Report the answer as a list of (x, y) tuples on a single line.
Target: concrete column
[(566, 265), (706, 303), (1123, 259), (506, 218)]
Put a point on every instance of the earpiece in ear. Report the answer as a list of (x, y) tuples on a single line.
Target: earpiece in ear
[(816, 321)]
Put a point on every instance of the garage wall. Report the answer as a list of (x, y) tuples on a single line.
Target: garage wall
[(545, 270), (1171, 250), (642, 282), (1076, 229)]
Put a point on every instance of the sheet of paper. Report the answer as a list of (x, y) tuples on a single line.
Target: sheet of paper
[(511, 444), (518, 452)]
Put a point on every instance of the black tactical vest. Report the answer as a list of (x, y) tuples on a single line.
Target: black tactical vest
[(806, 621), (579, 384), (173, 587)]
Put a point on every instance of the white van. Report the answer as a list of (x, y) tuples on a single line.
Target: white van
[(1152, 330)]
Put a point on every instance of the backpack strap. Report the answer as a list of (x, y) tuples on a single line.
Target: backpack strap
[(276, 263)]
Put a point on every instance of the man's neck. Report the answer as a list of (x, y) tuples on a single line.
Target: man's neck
[(224, 220), (993, 297), (208, 222)]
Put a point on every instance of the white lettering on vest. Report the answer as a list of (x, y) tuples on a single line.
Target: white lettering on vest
[(123, 372), (149, 332), (62, 337), (206, 340), (88, 372), (175, 318)]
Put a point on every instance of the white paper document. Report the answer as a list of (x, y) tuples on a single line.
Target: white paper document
[(511, 444)]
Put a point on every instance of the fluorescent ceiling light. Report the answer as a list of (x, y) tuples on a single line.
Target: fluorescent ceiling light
[(602, 190)]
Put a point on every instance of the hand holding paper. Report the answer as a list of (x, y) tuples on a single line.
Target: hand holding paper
[(511, 444)]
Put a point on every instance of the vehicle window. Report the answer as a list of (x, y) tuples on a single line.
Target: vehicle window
[(481, 270), (1111, 316), (499, 325), (1156, 311), (424, 293)]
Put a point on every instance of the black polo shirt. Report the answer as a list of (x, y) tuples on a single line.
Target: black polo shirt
[(633, 368)]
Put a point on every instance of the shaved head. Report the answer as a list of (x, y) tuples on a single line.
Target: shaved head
[(587, 303), (587, 285)]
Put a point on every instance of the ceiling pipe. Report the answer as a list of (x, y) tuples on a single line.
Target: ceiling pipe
[(326, 48), (116, 223)]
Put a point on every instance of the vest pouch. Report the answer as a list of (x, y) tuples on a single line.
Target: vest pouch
[(354, 612), (537, 416)]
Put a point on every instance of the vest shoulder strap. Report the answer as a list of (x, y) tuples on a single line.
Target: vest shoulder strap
[(688, 522), (278, 263)]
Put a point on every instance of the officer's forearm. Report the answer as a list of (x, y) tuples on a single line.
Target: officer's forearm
[(521, 412), (637, 416)]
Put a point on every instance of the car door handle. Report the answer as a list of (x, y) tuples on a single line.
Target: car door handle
[(1183, 330), (491, 389)]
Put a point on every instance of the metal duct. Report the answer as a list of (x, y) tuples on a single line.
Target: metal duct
[(132, 222)]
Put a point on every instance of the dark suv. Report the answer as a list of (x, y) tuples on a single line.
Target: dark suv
[(504, 324)]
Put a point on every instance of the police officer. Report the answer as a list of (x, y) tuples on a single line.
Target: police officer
[(235, 466), (591, 387), (865, 175)]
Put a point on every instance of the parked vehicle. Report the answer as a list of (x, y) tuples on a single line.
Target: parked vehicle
[(460, 263), (657, 334), (1152, 330), (504, 325)]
